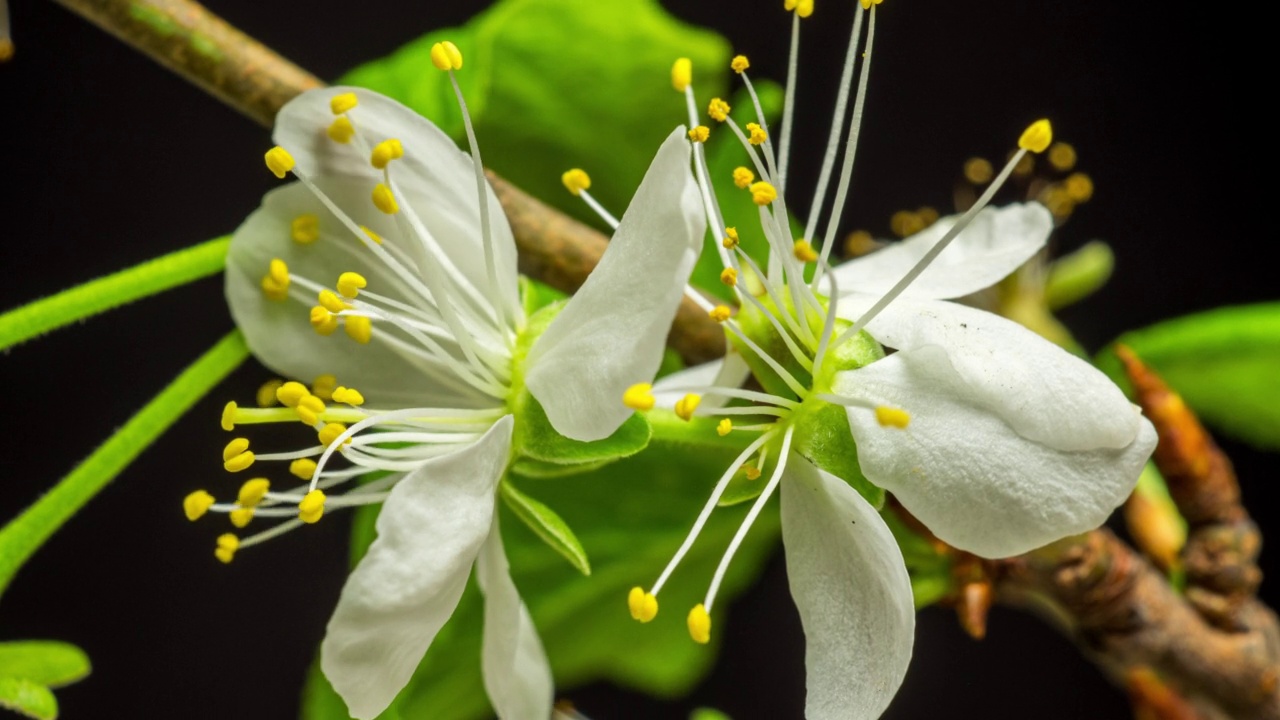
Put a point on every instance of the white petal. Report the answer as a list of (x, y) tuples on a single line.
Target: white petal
[(994, 245), (517, 675), (962, 470), (430, 531), (730, 371), (1043, 392), (436, 178), (850, 584), (611, 334), (280, 333)]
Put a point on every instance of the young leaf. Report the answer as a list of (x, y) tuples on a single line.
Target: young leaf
[(28, 698), (46, 662), (546, 524), (1223, 362)]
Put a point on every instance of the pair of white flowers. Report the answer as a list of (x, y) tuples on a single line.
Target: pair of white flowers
[(996, 439)]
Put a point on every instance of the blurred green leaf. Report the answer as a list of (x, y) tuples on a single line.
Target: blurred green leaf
[(630, 516), (46, 662), (556, 84), (28, 698), (930, 570), (1225, 363), (546, 524)]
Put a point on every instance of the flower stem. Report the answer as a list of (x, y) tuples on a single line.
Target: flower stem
[(22, 537), (112, 291)]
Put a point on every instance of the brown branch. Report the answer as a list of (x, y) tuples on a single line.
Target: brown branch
[(185, 37), (1121, 611)]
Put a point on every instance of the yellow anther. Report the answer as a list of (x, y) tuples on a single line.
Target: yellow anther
[(724, 427), (978, 171), (729, 277), (742, 177), (309, 409), (639, 397), (859, 243), (681, 73), (239, 462), (762, 193), (730, 240), (643, 605), (240, 517), (359, 328), (384, 200), (279, 161), (349, 396), (227, 546), (274, 290), (1079, 187), (323, 321), (311, 507), (253, 491), (718, 110), (927, 215), (278, 271), (699, 624), (341, 130), (757, 134), (739, 63), (751, 471), (1037, 136), (446, 56), (804, 252), (803, 8), (372, 235), (1062, 156), (686, 405), (351, 283), (197, 504), (700, 133), (6, 49), (384, 152), (905, 223), (343, 102), (576, 180), (302, 468), (720, 313), (322, 387), (330, 432), (330, 301), (229, 416), (234, 448), (305, 229), (291, 393), (892, 417), (866, 4)]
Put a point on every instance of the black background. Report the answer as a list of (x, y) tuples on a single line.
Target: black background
[(109, 160)]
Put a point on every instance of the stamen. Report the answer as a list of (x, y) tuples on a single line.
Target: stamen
[(699, 623), (643, 605), (724, 427), (729, 277), (279, 161), (804, 251), (720, 313), (305, 229), (756, 507), (343, 103), (446, 56), (226, 548), (358, 328), (197, 504), (892, 417), (577, 181), (802, 10), (384, 152), (229, 416), (252, 492), (681, 74), (341, 130), (311, 508), (743, 177), (266, 395), (639, 397), (686, 406), (718, 110), (322, 386), (384, 200)]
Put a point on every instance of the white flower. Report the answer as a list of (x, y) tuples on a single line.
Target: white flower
[(995, 438), (426, 288)]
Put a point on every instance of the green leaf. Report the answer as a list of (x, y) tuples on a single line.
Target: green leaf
[(930, 570), (26, 533), (546, 524), (556, 84), (112, 291), (1223, 362), (1075, 277), (630, 516), (47, 662), (28, 698), (540, 441)]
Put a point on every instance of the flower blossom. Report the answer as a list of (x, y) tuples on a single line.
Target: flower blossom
[(995, 438), (448, 365)]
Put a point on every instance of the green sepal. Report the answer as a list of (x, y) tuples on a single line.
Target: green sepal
[(45, 662), (546, 524), (823, 436), (535, 295), (1075, 277), (28, 698), (538, 440), (1223, 362)]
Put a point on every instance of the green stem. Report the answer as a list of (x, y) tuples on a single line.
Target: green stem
[(105, 293), (22, 537)]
